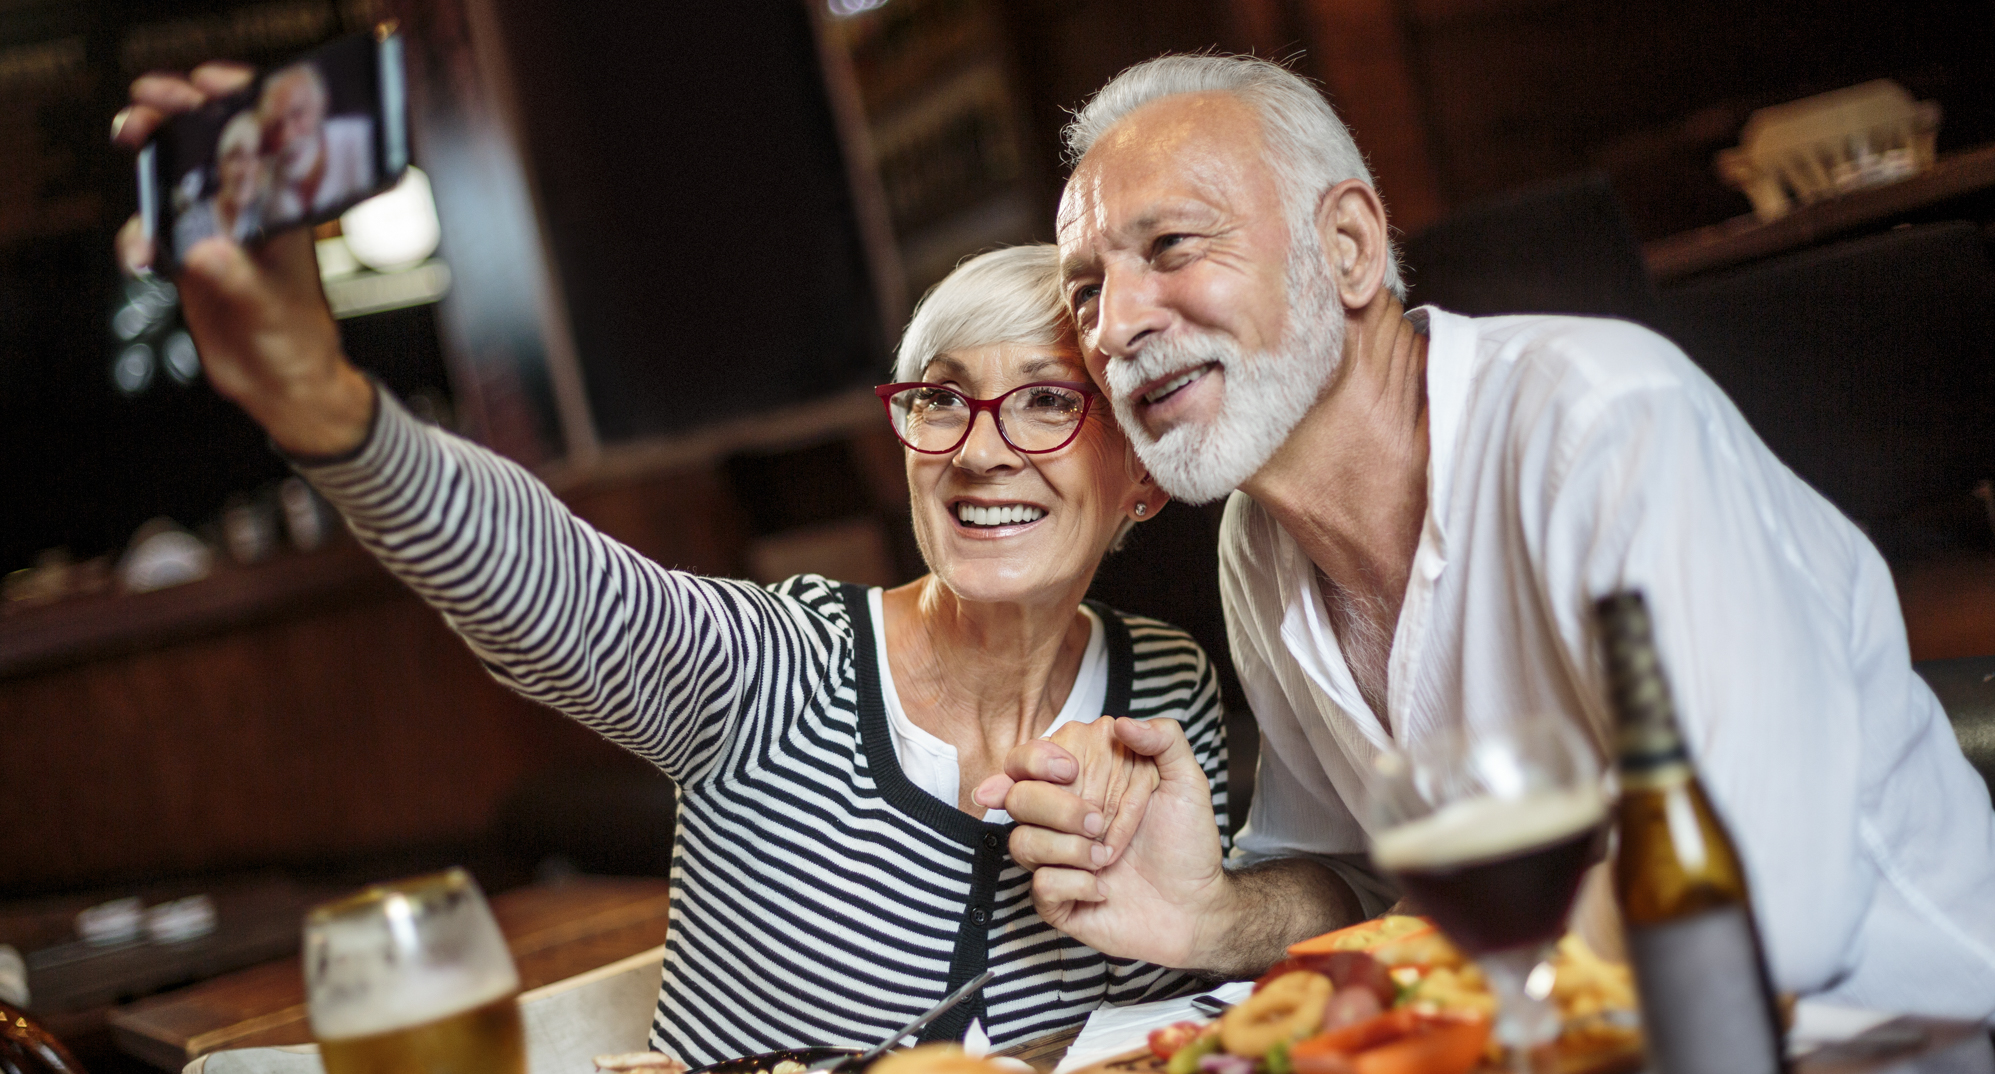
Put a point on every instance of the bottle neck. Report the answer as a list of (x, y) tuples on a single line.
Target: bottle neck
[(1647, 739), (1652, 756)]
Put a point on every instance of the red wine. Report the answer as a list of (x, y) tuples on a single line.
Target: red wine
[(1497, 874)]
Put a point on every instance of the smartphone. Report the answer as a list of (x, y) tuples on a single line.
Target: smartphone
[(301, 145)]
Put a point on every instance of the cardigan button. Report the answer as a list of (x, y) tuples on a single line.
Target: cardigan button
[(978, 915), (991, 841)]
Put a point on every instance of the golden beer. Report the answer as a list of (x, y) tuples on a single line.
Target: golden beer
[(483, 1040), (413, 978)]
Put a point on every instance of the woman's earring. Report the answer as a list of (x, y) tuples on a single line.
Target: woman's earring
[(1142, 509)]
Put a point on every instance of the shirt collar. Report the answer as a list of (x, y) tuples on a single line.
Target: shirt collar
[(1451, 345)]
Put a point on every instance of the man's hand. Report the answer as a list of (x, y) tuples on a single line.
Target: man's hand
[(258, 317), (1162, 891), (1107, 782), (1165, 897)]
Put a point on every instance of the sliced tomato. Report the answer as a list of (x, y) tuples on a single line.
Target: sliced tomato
[(1309, 1057), (1396, 1042), (1165, 1042), (1437, 1046)]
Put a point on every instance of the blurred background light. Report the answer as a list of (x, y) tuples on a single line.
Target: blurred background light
[(133, 369), (182, 361), (395, 229), (130, 320)]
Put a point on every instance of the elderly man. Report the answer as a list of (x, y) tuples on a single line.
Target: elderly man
[(321, 162), (1428, 506)]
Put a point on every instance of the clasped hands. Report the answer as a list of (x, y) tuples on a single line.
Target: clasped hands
[(1116, 824)]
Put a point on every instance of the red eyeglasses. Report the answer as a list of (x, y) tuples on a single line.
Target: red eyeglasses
[(1033, 418)]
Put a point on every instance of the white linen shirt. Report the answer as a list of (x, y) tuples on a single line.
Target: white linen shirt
[(1571, 457)]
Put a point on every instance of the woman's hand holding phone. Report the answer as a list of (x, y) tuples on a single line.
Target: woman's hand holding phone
[(258, 315)]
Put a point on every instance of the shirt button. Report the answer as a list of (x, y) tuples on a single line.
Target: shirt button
[(978, 915), (991, 841)]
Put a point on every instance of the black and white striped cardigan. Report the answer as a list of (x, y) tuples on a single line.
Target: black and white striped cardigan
[(818, 896)]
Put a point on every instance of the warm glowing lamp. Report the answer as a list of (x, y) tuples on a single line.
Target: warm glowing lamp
[(395, 229)]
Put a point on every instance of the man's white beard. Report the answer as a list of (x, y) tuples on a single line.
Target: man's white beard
[(1265, 394), (302, 157)]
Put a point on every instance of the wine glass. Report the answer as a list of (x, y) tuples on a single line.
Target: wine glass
[(413, 975), (1489, 831)]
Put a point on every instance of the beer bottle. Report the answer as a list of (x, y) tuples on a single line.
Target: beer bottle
[(1707, 1002)]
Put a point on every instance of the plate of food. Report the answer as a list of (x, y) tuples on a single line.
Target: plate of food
[(1393, 996)]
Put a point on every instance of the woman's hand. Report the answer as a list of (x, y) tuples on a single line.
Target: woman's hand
[(1107, 790), (258, 317)]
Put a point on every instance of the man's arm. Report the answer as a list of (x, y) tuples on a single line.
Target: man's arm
[(1167, 898)]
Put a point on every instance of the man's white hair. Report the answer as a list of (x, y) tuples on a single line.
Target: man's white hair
[(308, 73), (1009, 295), (1312, 151)]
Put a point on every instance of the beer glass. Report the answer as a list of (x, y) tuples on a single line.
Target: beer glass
[(413, 978), (1489, 831)]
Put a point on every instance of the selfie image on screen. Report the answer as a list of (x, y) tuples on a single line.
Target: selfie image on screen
[(298, 147)]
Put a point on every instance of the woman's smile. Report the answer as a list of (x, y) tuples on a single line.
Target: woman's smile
[(987, 518)]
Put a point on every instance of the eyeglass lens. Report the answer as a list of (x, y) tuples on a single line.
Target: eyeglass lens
[(1037, 417)]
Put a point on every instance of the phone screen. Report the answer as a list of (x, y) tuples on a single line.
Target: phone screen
[(304, 143)]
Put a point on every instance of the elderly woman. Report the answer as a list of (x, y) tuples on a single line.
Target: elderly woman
[(236, 207), (832, 875)]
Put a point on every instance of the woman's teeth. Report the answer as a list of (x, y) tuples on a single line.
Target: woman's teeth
[(972, 515), (1173, 384)]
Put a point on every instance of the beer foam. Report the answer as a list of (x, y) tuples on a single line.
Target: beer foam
[(363, 980), (1483, 829)]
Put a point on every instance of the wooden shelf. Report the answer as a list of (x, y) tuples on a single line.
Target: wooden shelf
[(83, 628), (1746, 238)]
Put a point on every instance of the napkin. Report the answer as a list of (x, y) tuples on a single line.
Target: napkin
[(1111, 1031), (1817, 1024)]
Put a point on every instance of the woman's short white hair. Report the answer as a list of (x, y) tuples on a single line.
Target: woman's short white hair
[(241, 131), (1009, 295), (1312, 149)]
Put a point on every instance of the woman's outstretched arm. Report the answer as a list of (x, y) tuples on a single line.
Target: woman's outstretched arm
[(665, 663)]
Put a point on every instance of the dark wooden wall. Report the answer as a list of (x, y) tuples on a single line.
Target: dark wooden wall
[(350, 723), (1455, 100)]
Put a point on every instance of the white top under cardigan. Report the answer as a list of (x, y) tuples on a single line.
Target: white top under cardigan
[(1571, 457), (931, 763), (818, 896)]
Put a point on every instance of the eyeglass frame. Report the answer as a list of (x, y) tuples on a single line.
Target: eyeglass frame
[(886, 392)]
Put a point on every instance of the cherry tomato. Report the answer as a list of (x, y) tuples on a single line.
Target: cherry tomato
[(1165, 1042)]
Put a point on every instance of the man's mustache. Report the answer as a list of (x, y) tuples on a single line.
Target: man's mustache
[(1163, 358)]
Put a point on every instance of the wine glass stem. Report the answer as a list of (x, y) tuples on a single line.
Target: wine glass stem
[(1525, 1021)]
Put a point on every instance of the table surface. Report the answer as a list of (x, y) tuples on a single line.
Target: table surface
[(555, 931)]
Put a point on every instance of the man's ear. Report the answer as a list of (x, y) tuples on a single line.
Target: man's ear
[(1351, 224)]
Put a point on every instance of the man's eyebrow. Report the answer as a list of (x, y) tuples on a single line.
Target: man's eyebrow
[(1176, 214), (1172, 214)]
